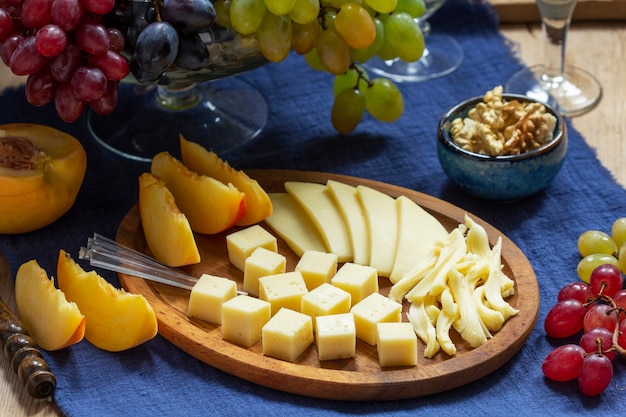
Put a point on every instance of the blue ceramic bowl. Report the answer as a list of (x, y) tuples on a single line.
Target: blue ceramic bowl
[(501, 178)]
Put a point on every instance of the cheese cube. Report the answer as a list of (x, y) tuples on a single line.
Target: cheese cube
[(283, 290), (317, 268), (396, 344), (207, 296), (287, 335), (242, 243), (335, 336), (325, 300), (243, 318), (260, 263), (359, 280), (370, 311)]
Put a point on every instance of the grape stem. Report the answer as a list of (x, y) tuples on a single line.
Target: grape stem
[(361, 76), (616, 332)]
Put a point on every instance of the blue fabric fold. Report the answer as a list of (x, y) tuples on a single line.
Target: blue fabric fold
[(159, 379)]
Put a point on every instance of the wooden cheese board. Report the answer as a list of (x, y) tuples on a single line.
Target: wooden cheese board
[(360, 378)]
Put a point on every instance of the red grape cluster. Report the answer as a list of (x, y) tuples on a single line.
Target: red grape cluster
[(68, 53), (597, 310)]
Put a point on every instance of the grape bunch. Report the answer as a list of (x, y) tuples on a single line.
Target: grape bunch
[(336, 36), (594, 306), (67, 53)]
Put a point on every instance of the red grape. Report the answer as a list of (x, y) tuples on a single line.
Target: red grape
[(6, 24), (600, 315), (607, 279), (65, 64), (113, 65), (92, 38), (99, 6), (621, 340), (50, 40), (26, 60), (565, 319), (106, 104), (589, 342), (36, 13), (578, 290), (595, 374), (88, 83), (116, 39), (40, 88), (66, 14), (563, 363), (8, 46), (68, 106), (619, 298)]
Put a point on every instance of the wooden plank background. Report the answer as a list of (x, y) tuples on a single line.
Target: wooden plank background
[(518, 11)]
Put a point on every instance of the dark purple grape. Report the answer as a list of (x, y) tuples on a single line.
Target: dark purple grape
[(156, 50), (192, 52), (189, 15)]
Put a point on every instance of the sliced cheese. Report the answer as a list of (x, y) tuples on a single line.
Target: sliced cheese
[(382, 225), (324, 213), (418, 230), (289, 221), (351, 210)]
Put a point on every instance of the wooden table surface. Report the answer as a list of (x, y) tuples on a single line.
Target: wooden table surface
[(596, 45)]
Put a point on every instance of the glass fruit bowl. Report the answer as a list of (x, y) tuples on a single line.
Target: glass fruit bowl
[(202, 99)]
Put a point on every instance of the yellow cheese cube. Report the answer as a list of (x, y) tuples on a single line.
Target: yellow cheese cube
[(287, 334), (359, 280), (374, 309), (207, 296), (260, 263), (335, 336), (242, 243), (283, 290), (325, 300), (243, 318), (317, 268), (396, 344)]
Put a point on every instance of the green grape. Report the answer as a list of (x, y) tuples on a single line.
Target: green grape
[(348, 110), (333, 52), (222, 12), (355, 25), (365, 54), (279, 7), (349, 80), (384, 100), (312, 58), (404, 36), (595, 241), (304, 36), (591, 262), (246, 15), (415, 8), (338, 3), (618, 231), (305, 11), (621, 258), (274, 36), (329, 18), (382, 6)]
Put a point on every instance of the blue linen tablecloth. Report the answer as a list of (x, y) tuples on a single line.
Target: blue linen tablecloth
[(159, 379)]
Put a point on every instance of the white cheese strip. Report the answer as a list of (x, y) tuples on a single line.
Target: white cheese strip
[(418, 230), (346, 199), (325, 214), (382, 225), (289, 221)]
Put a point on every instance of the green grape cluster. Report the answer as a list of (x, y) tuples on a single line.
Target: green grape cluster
[(597, 247), (336, 36)]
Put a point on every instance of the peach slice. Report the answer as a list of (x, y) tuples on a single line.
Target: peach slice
[(205, 162), (115, 320), (210, 206), (53, 322), (166, 229)]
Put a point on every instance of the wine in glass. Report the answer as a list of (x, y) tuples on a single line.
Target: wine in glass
[(442, 55), (571, 90)]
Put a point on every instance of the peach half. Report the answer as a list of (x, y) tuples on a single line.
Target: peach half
[(167, 230), (115, 319), (205, 162), (210, 205), (53, 322)]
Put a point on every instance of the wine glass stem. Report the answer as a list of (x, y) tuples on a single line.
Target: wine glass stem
[(556, 16), (177, 98)]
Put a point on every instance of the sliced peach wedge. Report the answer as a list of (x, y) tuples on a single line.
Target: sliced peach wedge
[(53, 322), (210, 205), (205, 162), (167, 230), (115, 320)]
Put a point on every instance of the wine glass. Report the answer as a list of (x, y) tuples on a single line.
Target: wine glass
[(571, 90), (210, 105), (442, 55)]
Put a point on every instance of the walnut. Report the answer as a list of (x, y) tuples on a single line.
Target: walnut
[(497, 127)]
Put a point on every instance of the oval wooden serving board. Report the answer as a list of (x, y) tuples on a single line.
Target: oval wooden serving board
[(360, 378)]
